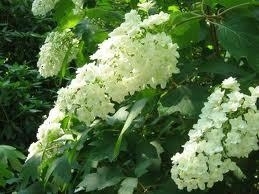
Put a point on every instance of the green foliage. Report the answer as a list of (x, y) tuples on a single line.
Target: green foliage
[(128, 185), (136, 109), (238, 35), (228, 3), (20, 32), (130, 151), (185, 100), (104, 177), (22, 103), (185, 33), (65, 16), (10, 165)]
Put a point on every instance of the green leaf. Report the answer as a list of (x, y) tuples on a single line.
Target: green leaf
[(11, 155), (186, 29), (102, 149), (239, 36), (104, 14), (158, 147), (188, 100), (5, 174), (104, 177), (60, 169), (30, 169), (170, 187), (120, 116), (34, 188), (128, 185), (227, 3), (65, 16), (142, 167), (218, 66), (134, 112), (147, 157)]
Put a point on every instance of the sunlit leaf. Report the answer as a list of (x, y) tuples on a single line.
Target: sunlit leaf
[(134, 112), (128, 185)]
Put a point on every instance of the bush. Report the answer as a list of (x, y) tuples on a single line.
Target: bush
[(24, 100), (167, 101)]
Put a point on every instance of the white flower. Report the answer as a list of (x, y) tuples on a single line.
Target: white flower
[(224, 130), (131, 59), (156, 19), (78, 6), (250, 102), (254, 91), (42, 7), (48, 132), (59, 47), (146, 5), (230, 83), (130, 27), (216, 97), (34, 149)]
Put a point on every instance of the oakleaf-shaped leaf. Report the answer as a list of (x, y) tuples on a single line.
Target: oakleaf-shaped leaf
[(30, 170), (104, 177), (11, 155), (239, 36), (5, 174)]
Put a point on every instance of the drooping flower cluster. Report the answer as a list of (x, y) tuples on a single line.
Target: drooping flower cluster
[(48, 132), (42, 7), (228, 127), (131, 59), (59, 48)]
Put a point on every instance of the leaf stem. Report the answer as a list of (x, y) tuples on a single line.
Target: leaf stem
[(189, 19), (237, 6)]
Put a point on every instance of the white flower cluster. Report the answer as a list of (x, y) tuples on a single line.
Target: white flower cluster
[(79, 4), (48, 132), (59, 48), (42, 7), (228, 127), (130, 60), (145, 5)]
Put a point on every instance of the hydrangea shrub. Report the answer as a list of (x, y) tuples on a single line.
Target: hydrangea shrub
[(129, 109)]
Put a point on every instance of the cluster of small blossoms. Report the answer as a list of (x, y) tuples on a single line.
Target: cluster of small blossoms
[(59, 48), (131, 59), (79, 4), (228, 127), (145, 5), (48, 132), (42, 7)]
